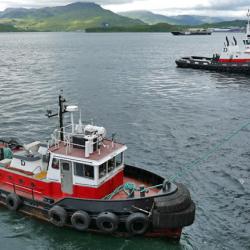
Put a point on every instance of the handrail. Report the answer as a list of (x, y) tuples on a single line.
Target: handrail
[(22, 187), (68, 139)]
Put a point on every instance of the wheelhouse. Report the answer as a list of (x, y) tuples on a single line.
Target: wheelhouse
[(72, 169), (85, 164)]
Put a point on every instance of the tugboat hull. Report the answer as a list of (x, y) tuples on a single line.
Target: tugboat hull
[(79, 179), (214, 65), (161, 215)]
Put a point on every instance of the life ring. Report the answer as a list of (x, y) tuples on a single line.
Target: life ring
[(137, 223), (80, 220), (13, 202), (107, 222), (57, 216)]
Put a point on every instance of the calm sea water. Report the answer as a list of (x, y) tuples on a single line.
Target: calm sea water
[(167, 116)]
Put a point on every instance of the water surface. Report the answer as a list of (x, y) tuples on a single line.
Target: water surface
[(167, 116)]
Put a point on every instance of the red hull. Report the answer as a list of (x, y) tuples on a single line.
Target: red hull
[(28, 185), (234, 60)]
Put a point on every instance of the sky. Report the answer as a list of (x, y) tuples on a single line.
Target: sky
[(166, 7)]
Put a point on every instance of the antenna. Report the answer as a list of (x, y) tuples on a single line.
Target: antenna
[(61, 111), (80, 116), (235, 41), (113, 139), (227, 41), (248, 24), (248, 17)]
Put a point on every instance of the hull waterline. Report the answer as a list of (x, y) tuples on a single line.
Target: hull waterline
[(210, 64)]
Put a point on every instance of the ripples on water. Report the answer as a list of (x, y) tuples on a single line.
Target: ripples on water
[(167, 116)]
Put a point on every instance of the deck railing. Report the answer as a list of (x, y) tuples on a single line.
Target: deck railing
[(69, 144)]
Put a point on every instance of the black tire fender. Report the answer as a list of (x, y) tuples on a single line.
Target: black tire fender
[(176, 219), (80, 220), (13, 202), (137, 223), (174, 202), (57, 216), (107, 222)]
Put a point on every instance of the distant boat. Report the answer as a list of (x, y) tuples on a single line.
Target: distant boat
[(233, 58), (191, 32), (241, 30), (221, 30)]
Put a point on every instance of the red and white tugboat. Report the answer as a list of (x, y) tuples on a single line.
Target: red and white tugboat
[(232, 59), (79, 179)]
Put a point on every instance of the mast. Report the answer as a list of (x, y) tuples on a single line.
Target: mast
[(248, 24), (62, 110)]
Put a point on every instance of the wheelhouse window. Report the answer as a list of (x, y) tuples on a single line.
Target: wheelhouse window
[(83, 170), (55, 163), (111, 164), (45, 158), (119, 160), (102, 170)]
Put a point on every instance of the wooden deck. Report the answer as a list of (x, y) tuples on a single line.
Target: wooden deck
[(122, 195)]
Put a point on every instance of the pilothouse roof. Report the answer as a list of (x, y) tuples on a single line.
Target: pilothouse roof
[(106, 151)]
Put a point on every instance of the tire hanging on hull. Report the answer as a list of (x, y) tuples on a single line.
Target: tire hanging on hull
[(13, 202), (137, 223), (57, 216), (80, 220), (107, 222)]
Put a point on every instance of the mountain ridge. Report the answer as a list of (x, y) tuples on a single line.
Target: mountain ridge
[(71, 17), (153, 18), (80, 16)]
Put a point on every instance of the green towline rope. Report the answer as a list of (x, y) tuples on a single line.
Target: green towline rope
[(131, 186), (207, 155)]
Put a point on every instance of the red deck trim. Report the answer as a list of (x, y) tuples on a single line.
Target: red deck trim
[(20, 170), (234, 60)]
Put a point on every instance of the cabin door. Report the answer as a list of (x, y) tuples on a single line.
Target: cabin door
[(66, 177)]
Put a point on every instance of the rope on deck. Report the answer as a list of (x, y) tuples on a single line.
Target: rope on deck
[(116, 191)]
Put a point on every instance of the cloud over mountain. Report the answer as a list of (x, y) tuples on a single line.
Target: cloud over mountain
[(160, 6)]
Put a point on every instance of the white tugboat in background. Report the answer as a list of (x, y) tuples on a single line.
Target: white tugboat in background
[(232, 59)]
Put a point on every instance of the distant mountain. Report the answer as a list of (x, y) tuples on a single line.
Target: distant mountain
[(82, 15), (227, 24), (148, 17), (197, 20), (152, 18), (75, 16)]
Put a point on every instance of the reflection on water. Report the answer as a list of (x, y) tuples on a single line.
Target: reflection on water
[(167, 116)]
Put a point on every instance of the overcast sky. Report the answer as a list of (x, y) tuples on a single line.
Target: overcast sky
[(168, 7)]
